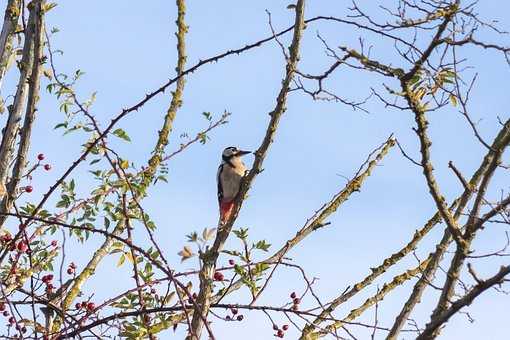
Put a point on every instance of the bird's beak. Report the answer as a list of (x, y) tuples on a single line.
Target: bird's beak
[(242, 153)]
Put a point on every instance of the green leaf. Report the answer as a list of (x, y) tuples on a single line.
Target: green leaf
[(241, 233), (106, 222), (124, 164), (207, 115), (58, 126), (122, 134), (262, 245), (121, 260)]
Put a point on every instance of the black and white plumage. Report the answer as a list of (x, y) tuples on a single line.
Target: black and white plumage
[(230, 173)]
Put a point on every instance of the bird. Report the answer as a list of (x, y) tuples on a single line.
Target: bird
[(230, 173)]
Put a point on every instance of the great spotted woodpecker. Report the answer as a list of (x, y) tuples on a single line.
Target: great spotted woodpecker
[(230, 173)]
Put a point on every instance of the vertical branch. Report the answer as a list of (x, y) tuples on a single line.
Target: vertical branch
[(31, 110), (11, 17), (414, 101), (210, 256), (136, 276), (155, 160), (15, 111), (176, 102)]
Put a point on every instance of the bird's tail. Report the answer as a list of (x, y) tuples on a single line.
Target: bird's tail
[(225, 211)]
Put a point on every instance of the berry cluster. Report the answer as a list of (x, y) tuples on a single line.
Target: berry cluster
[(47, 280), (295, 301), (88, 306), (280, 332), (47, 167), (234, 316), (12, 320), (71, 269)]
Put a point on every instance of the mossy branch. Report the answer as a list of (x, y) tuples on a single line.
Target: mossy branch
[(210, 257), (11, 17), (154, 162), (318, 219)]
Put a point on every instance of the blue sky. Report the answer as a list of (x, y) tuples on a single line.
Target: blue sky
[(127, 49)]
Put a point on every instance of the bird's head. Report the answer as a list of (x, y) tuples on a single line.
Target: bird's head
[(232, 152)]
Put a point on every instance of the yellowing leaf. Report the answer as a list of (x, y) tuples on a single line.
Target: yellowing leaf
[(129, 257), (453, 100), (124, 164), (169, 298), (49, 6), (185, 253), (208, 234), (47, 73)]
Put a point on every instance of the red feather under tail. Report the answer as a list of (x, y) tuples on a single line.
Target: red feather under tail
[(225, 211)]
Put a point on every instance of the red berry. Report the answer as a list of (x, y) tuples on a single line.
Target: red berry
[(29, 188), (280, 333), (6, 238), (2, 306), (285, 327), (40, 156), (47, 278), (218, 276), (12, 320), (231, 262), (54, 243), (293, 295), (72, 265), (297, 301), (6, 313), (22, 226), (234, 311), (22, 246), (295, 307), (194, 296), (91, 306), (70, 271), (77, 305), (47, 167), (50, 286), (240, 317), (84, 304), (153, 291), (228, 317), (275, 327)]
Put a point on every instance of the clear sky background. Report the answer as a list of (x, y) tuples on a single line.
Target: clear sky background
[(127, 49)]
